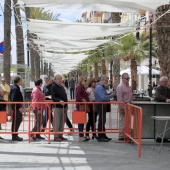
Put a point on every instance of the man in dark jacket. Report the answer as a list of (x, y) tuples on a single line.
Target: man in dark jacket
[(47, 93), (59, 95), (16, 96), (162, 93)]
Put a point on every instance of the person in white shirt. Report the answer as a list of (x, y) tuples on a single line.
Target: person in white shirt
[(92, 115)]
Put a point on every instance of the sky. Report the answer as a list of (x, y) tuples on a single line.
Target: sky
[(65, 15)]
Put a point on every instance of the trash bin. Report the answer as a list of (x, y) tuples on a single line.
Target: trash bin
[(27, 94)]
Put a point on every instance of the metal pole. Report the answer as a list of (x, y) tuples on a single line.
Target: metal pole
[(150, 58), (111, 70), (28, 55)]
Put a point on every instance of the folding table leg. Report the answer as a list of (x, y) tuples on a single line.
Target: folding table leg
[(166, 123), (157, 134)]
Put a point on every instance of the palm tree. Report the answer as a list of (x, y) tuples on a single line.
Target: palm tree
[(134, 50), (41, 14), (112, 54), (7, 40), (163, 40), (116, 18), (19, 42)]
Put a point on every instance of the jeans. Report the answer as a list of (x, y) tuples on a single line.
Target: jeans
[(46, 118), (92, 117), (72, 93), (38, 123)]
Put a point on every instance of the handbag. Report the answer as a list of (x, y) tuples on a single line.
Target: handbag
[(84, 107)]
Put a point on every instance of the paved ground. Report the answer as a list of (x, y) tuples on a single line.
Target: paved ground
[(75, 155)]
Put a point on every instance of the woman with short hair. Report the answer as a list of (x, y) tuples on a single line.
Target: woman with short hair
[(38, 96)]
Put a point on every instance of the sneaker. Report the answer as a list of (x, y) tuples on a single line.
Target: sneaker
[(81, 139)]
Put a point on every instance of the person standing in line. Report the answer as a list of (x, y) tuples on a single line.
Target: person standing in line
[(60, 110), (38, 96), (72, 85), (92, 115), (47, 93), (101, 95), (81, 96), (124, 94), (1, 99), (6, 89), (16, 96)]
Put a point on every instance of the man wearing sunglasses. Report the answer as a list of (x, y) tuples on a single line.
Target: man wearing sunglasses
[(124, 94)]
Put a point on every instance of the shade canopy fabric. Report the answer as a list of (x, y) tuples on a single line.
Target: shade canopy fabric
[(141, 70), (149, 5), (75, 31), (63, 62), (68, 46)]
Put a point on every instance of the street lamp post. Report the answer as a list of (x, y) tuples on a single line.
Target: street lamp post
[(111, 70), (150, 58), (28, 55)]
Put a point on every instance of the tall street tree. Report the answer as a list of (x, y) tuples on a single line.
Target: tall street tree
[(163, 39), (19, 42), (7, 40)]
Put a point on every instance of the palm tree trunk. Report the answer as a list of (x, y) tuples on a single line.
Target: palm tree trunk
[(7, 40), (116, 72), (45, 68), (116, 18), (133, 67), (32, 54), (103, 67), (42, 69), (37, 65), (96, 73), (19, 43), (163, 39), (91, 74)]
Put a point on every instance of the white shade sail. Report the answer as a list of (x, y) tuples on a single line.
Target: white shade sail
[(75, 31), (141, 70), (63, 62), (149, 5), (68, 46)]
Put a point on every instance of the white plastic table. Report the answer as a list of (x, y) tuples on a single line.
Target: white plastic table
[(162, 134)]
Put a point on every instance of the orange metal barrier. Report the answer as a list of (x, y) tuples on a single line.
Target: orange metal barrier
[(133, 125)]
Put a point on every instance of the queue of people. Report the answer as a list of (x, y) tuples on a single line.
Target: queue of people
[(86, 91)]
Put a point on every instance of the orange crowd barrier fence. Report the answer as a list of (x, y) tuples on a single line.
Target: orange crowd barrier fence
[(132, 130), (133, 125)]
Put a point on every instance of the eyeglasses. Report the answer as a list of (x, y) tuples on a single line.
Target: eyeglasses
[(127, 78)]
